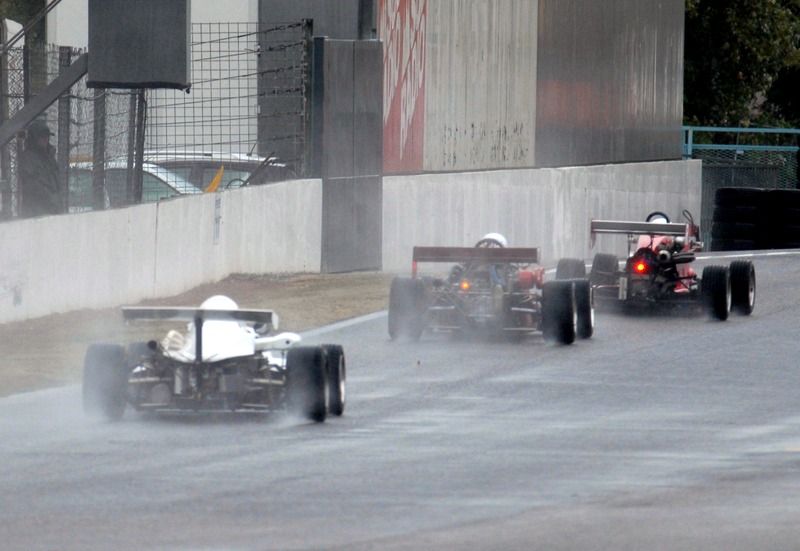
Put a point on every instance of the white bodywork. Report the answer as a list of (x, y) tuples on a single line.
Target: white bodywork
[(225, 339)]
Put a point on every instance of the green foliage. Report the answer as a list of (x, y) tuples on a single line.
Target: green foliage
[(20, 10), (741, 62)]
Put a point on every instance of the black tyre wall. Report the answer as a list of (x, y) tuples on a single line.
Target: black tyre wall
[(755, 218)]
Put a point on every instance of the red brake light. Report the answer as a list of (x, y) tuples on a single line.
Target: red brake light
[(640, 267), (464, 285)]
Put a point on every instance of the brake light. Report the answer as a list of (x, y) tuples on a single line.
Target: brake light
[(640, 267), (464, 285)]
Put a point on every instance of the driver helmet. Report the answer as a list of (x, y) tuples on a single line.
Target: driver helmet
[(492, 240), (219, 302)]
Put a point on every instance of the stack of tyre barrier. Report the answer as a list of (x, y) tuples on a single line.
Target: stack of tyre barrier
[(755, 218)]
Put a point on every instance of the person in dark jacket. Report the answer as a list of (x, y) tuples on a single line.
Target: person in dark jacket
[(38, 174)]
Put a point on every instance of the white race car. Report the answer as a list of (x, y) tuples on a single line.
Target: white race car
[(227, 360)]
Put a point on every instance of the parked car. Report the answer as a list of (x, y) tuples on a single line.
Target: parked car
[(157, 183), (200, 167)]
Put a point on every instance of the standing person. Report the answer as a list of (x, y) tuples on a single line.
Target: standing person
[(38, 174)]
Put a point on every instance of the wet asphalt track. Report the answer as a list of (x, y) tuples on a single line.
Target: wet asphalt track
[(659, 433)]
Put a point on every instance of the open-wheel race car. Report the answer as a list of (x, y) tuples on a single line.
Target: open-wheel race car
[(227, 360), (658, 269), (490, 289)]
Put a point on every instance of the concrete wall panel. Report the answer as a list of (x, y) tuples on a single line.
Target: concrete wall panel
[(102, 259), (610, 81), (546, 208), (337, 19), (480, 94)]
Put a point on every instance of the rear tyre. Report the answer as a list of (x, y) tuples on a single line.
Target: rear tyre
[(584, 305), (406, 308), (306, 383), (337, 377), (558, 311), (743, 286), (604, 269), (570, 268), (716, 288), (105, 378)]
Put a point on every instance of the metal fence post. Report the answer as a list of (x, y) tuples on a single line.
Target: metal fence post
[(141, 107), (99, 150), (64, 110), (5, 158), (130, 180)]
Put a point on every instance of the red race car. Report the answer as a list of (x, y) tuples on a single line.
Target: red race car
[(658, 269), (490, 289)]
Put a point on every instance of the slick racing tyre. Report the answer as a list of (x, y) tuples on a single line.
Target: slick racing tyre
[(105, 380), (570, 268), (584, 305), (716, 288), (307, 383), (558, 311), (604, 269), (337, 378), (406, 308), (743, 286)]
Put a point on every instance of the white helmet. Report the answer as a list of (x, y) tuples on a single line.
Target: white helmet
[(492, 240), (219, 302)]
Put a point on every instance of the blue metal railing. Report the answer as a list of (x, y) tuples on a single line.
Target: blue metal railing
[(689, 145)]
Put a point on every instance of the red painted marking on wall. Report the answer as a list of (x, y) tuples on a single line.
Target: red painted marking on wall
[(402, 26)]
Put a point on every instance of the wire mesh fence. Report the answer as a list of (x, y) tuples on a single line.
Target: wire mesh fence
[(245, 120), (742, 157)]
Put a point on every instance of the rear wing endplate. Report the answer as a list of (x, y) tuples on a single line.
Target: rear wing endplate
[(642, 228)]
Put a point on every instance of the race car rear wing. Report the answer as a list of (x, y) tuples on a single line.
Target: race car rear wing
[(163, 313), (463, 255), (198, 316), (640, 228)]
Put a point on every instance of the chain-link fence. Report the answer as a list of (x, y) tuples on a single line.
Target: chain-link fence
[(244, 121), (742, 157)]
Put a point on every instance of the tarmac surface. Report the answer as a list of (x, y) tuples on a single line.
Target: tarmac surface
[(666, 433)]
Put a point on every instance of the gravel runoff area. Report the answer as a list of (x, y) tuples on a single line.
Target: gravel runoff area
[(48, 351)]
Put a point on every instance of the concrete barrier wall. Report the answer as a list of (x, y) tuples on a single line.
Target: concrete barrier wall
[(546, 208), (104, 259), (101, 259)]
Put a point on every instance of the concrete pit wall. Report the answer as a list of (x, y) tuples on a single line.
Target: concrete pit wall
[(546, 208), (104, 259)]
